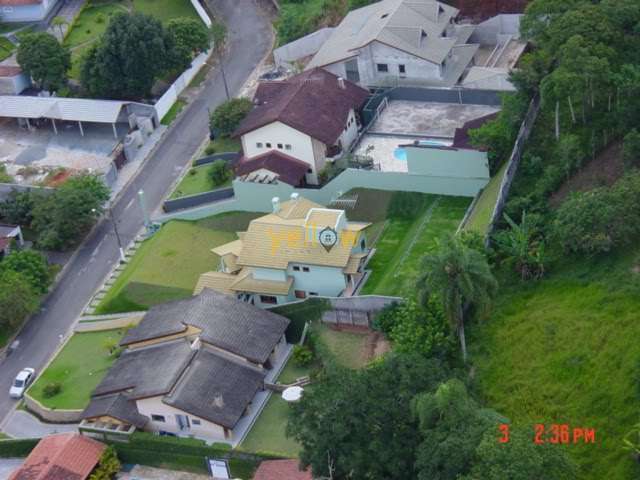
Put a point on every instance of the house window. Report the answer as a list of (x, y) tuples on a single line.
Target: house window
[(362, 244), (158, 418), (305, 269), (382, 67), (402, 69), (271, 300), (309, 170), (287, 146), (313, 294), (300, 294), (259, 145), (195, 421), (280, 146), (268, 145), (296, 269)]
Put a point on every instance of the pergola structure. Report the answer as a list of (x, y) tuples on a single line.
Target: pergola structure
[(64, 109)]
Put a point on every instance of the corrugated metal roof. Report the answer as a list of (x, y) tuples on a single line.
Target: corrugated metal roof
[(72, 109)]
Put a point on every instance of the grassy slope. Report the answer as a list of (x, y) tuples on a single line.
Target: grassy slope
[(481, 215), (198, 182), (167, 266), (564, 350), (173, 112), (79, 367), (396, 262)]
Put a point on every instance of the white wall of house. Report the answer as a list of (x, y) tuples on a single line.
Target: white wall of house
[(350, 132), (321, 280), (275, 274), (154, 406), (278, 133), (376, 52)]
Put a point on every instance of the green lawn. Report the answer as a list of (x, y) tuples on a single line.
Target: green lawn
[(173, 112), (223, 145), (167, 265), (403, 243), (347, 348), (6, 48), (165, 10), (268, 433), (79, 367), (198, 180), (565, 350), (481, 215)]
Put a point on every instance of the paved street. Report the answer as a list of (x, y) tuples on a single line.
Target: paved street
[(249, 41)]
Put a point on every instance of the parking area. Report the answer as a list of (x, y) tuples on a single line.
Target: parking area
[(24, 151), (427, 119)]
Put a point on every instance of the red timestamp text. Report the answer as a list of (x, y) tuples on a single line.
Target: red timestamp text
[(556, 433)]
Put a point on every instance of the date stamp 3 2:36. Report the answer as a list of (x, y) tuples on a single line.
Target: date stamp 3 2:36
[(556, 433)]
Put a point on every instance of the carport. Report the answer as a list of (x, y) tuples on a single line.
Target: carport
[(66, 109)]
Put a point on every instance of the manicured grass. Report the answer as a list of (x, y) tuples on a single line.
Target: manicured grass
[(223, 145), (167, 265), (564, 350), (481, 215), (79, 367), (173, 112), (198, 180), (347, 348), (6, 48), (403, 243), (165, 10)]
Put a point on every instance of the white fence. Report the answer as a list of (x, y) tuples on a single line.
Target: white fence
[(166, 101)]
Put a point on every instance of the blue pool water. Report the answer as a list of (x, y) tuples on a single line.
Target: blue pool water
[(401, 154)]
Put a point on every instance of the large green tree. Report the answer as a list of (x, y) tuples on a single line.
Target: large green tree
[(17, 299), (191, 36), (226, 118), (32, 265), (45, 60), (358, 424), (62, 218), (133, 52), (458, 275)]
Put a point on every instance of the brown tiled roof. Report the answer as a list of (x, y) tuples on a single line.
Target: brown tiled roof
[(9, 70), (66, 456), (290, 170), (281, 470), (461, 137), (311, 102)]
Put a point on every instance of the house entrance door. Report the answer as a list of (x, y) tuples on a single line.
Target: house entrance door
[(353, 75), (183, 422)]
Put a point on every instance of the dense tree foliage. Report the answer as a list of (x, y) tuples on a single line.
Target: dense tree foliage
[(17, 299), (226, 118), (522, 247), (631, 149), (133, 52), (31, 265), (359, 423), (45, 60), (191, 37), (458, 275)]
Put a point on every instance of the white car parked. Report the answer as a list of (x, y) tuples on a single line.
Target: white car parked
[(22, 381)]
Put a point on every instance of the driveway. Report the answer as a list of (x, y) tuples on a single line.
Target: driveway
[(21, 424), (140, 472), (249, 41)]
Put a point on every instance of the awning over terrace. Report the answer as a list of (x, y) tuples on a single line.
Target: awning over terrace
[(66, 109)]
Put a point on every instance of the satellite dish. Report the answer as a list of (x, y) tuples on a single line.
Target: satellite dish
[(292, 394)]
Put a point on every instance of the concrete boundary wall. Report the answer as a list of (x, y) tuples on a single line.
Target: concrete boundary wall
[(201, 13), (108, 323), (486, 33), (50, 415), (256, 197), (287, 55)]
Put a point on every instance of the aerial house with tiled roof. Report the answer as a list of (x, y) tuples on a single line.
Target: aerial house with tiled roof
[(282, 257), (297, 125)]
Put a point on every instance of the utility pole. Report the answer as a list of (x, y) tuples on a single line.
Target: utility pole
[(114, 224), (145, 214), (224, 80)]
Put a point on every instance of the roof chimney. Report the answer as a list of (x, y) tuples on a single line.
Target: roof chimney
[(275, 201), (295, 196), (341, 83)]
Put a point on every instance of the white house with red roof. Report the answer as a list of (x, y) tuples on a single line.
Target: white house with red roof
[(297, 125)]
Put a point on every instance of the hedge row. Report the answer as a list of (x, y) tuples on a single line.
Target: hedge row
[(300, 313), (17, 448)]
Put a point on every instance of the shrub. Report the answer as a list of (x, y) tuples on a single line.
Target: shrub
[(631, 149), (599, 220), (210, 150), (51, 389), (385, 319), (226, 118), (219, 172), (108, 465), (32, 265), (100, 18), (193, 171), (302, 356)]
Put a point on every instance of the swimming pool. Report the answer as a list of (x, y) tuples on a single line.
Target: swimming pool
[(401, 154)]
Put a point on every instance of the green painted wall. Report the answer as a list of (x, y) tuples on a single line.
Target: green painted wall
[(447, 162)]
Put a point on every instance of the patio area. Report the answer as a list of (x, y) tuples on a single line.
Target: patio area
[(427, 119)]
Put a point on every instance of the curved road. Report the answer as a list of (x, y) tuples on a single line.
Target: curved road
[(248, 40)]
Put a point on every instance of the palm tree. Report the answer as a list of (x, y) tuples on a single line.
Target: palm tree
[(459, 275)]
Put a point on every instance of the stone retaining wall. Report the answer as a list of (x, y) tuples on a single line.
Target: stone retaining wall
[(50, 415)]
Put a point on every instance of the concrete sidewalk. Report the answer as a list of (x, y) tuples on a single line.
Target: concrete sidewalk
[(21, 424)]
